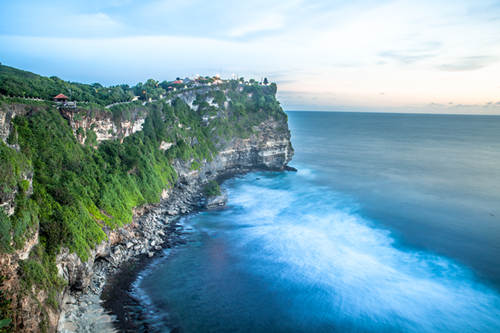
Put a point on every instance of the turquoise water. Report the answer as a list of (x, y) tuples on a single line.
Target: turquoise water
[(390, 225)]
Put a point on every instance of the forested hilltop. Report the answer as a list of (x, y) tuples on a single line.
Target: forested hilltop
[(18, 83), (69, 175)]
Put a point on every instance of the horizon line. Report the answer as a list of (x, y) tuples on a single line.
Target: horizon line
[(399, 112)]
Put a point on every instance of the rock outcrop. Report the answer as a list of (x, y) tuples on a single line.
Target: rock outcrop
[(217, 201), (103, 125), (9, 264), (7, 113)]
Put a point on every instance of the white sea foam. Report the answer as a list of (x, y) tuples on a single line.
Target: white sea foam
[(350, 272), (305, 172)]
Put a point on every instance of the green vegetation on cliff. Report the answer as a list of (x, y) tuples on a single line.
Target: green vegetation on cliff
[(80, 189), (14, 167), (212, 189)]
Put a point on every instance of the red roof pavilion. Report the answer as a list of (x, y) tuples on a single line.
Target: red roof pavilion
[(60, 98)]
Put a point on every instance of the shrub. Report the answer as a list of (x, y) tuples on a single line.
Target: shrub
[(211, 189), (5, 234)]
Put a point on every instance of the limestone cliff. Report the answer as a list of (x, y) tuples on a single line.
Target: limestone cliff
[(102, 124), (267, 147), (7, 113)]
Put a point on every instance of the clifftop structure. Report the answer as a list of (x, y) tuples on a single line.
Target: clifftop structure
[(62, 102), (61, 98)]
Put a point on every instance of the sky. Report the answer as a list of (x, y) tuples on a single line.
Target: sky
[(390, 56)]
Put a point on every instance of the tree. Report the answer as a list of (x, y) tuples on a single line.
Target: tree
[(265, 81), (274, 88)]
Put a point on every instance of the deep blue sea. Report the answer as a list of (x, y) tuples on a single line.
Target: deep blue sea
[(391, 224)]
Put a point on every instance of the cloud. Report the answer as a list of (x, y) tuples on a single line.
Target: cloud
[(466, 108), (405, 57), (268, 23), (92, 24), (469, 63), (416, 52)]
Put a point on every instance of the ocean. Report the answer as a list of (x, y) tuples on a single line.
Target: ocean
[(391, 224)]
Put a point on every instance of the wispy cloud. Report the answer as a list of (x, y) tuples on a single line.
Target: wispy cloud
[(470, 63), (406, 57), (264, 24), (417, 51)]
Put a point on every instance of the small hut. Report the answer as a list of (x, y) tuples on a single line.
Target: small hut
[(62, 102), (61, 98)]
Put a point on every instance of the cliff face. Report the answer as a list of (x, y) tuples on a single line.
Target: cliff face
[(197, 120), (7, 114), (269, 148), (103, 125)]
